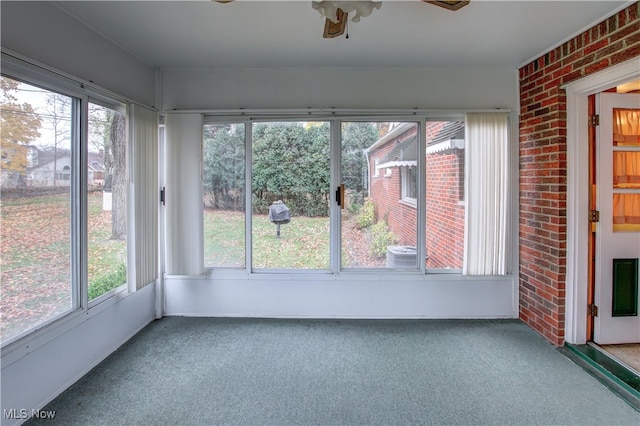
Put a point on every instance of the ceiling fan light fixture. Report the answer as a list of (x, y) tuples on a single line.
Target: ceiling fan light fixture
[(329, 9), (449, 4)]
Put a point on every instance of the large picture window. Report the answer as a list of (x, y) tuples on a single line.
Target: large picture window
[(345, 195)]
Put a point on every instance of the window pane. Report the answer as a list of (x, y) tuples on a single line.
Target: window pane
[(107, 200), (290, 170), (379, 223), (445, 194), (224, 195), (36, 216), (626, 127)]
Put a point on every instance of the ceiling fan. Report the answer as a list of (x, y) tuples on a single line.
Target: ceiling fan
[(337, 12)]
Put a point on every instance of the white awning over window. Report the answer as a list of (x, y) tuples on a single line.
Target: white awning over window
[(397, 163), (445, 145)]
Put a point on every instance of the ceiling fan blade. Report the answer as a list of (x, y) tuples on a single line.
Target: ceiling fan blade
[(449, 4), (335, 29)]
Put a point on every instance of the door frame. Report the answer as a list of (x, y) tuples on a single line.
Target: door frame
[(577, 283)]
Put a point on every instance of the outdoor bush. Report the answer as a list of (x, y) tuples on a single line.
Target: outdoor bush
[(367, 216), (107, 282), (381, 237), (353, 208)]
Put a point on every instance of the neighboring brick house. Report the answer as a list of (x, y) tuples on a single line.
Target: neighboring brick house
[(393, 185)]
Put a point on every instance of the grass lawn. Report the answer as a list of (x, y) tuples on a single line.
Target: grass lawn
[(303, 243), (35, 278)]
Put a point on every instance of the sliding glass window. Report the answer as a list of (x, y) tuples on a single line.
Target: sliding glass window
[(290, 195), (343, 194), (379, 164), (65, 178), (444, 190), (37, 175), (107, 185), (224, 186)]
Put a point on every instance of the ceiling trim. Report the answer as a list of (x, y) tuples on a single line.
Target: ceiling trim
[(577, 33)]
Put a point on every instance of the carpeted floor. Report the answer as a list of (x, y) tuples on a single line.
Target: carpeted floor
[(208, 371)]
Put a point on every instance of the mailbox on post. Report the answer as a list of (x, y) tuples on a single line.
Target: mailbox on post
[(279, 214)]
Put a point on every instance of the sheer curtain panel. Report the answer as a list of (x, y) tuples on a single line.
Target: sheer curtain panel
[(486, 194), (144, 191)]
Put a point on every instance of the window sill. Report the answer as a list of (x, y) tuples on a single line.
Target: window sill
[(410, 202), (40, 335)]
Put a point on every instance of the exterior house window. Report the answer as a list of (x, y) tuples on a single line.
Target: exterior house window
[(409, 184), (65, 174)]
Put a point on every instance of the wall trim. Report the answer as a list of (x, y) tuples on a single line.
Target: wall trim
[(578, 190)]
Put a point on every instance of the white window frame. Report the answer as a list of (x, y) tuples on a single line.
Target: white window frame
[(405, 186), (21, 69), (336, 118)]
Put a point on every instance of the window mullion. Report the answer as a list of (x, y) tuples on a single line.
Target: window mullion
[(335, 213), (248, 205), (421, 195), (79, 153)]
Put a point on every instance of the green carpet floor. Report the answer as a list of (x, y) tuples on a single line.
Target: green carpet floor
[(208, 371)]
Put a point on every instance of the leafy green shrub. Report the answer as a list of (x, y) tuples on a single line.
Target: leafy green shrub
[(104, 283), (353, 209), (381, 237), (367, 216)]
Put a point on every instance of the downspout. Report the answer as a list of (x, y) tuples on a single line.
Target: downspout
[(366, 154)]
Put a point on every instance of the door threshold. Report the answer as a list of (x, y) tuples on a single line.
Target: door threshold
[(618, 377), (620, 355)]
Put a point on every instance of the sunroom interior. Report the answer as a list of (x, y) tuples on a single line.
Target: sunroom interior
[(173, 77)]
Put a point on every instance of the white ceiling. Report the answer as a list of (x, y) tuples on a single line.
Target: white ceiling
[(410, 33)]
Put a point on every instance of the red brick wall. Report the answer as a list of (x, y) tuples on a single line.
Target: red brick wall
[(543, 165), (386, 192), (445, 212)]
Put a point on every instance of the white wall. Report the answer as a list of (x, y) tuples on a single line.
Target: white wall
[(35, 372), (366, 88), (355, 295), (349, 295), (192, 291), (37, 368), (184, 250), (67, 45)]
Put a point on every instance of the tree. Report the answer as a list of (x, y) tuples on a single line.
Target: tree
[(58, 117), (100, 133), (356, 137), (118, 152), (19, 126), (291, 163), (223, 171)]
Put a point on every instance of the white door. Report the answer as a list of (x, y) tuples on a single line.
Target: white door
[(616, 292)]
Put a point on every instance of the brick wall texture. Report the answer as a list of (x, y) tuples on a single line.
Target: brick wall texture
[(445, 208), (543, 165)]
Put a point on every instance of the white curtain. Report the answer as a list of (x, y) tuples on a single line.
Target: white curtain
[(486, 194), (144, 192)]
